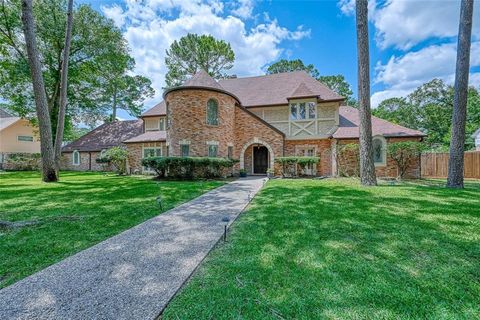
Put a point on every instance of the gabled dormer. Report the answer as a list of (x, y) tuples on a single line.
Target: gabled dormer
[(155, 119)]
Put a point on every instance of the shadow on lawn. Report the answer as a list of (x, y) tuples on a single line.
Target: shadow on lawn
[(333, 250)]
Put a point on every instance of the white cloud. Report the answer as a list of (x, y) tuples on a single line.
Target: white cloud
[(151, 26), (244, 9), (401, 75), (404, 24)]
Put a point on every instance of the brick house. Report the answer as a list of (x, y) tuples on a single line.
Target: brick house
[(256, 120)]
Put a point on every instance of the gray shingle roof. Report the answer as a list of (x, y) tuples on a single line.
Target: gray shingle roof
[(149, 136), (107, 135)]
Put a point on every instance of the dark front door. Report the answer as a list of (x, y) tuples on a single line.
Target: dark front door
[(260, 159)]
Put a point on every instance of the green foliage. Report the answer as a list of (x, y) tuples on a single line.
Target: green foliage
[(83, 210), (188, 167), (429, 109), (23, 161), (403, 153), (336, 83), (332, 249), (348, 160), (284, 65), (291, 166), (117, 157), (193, 53), (99, 58)]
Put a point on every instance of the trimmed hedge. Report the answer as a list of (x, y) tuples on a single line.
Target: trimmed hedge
[(22, 161), (290, 165), (189, 167)]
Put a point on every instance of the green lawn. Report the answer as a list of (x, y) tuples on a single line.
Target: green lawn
[(75, 213), (330, 249)]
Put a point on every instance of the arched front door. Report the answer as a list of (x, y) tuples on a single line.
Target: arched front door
[(260, 159)]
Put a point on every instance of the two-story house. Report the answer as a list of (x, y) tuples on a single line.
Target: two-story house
[(256, 120)]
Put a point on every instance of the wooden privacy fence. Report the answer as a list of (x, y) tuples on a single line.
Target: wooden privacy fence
[(435, 164)]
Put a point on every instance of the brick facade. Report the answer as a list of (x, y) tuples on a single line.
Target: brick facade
[(135, 154), (87, 162), (389, 170), (187, 122), (322, 149)]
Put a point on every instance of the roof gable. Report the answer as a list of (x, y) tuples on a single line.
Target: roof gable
[(110, 134)]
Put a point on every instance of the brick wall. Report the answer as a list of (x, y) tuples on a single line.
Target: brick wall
[(135, 155), (85, 159), (251, 130), (187, 121), (389, 170), (322, 149)]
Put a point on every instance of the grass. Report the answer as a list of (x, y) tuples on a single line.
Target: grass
[(330, 249), (76, 213)]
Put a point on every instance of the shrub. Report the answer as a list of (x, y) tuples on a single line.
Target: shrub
[(22, 161), (348, 160), (291, 165), (403, 153), (117, 157), (188, 167)]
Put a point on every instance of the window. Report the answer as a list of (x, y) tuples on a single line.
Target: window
[(25, 138), (379, 150), (151, 152), (212, 150), (230, 152), (76, 158), (184, 150), (212, 112), (152, 124), (102, 153), (162, 124), (303, 110)]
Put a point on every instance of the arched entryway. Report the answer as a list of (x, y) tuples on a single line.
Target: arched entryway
[(256, 157)]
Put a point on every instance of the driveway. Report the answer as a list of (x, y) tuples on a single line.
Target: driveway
[(135, 274)]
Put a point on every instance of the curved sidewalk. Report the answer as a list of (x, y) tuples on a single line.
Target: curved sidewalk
[(132, 275)]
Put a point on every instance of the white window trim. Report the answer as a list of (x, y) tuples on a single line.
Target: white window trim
[(157, 128), (79, 158), (297, 102), (145, 169), (212, 143), (18, 138), (384, 151)]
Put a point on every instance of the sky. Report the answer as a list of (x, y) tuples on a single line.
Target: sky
[(411, 42)]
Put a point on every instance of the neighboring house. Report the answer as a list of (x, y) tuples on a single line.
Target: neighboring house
[(476, 136), (82, 153), (17, 136), (256, 120)]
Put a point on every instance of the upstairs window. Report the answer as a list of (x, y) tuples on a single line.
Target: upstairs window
[(303, 110), (25, 138), (162, 124), (152, 124), (76, 158), (212, 112), (379, 151)]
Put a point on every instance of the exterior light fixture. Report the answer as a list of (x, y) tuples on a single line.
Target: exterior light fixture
[(226, 220)]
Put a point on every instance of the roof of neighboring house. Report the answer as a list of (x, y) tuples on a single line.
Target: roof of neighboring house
[(160, 109), (476, 133), (4, 114), (148, 136), (7, 122), (107, 135), (275, 89), (349, 122)]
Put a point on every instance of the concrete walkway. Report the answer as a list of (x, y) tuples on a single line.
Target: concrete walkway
[(134, 274)]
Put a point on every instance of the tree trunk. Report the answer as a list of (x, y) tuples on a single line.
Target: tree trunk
[(63, 87), (48, 162), (114, 108), (367, 166), (457, 144)]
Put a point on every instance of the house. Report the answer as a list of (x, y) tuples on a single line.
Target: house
[(17, 136), (256, 120), (81, 154), (476, 136)]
